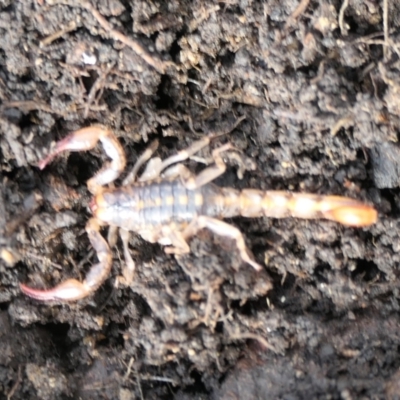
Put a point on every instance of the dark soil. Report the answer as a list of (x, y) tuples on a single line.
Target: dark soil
[(319, 88)]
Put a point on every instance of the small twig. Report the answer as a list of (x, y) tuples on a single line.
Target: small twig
[(390, 44), (158, 379), (320, 74), (128, 369), (297, 116), (297, 12), (229, 129), (363, 39), (29, 105), (385, 29), (248, 335), (16, 384), (343, 29), (341, 123), (97, 86), (42, 259), (51, 38), (139, 385), (159, 65)]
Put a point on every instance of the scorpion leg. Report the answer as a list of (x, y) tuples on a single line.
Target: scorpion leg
[(178, 170), (167, 236), (72, 289), (177, 241), (131, 177), (212, 172), (207, 175), (195, 148), (129, 269), (176, 158), (222, 229), (86, 139), (151, 170)]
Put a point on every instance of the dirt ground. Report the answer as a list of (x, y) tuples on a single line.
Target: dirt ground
[(319, 86)]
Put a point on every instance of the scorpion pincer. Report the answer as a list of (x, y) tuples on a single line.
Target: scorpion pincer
[(168, 205)]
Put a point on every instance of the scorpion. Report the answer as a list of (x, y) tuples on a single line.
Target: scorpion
[(168, 204)]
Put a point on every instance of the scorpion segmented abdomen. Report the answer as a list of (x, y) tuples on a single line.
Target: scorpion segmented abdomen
[(252, 203), (146, 205)]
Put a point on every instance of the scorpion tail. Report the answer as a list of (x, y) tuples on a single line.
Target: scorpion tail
[(279, 204)]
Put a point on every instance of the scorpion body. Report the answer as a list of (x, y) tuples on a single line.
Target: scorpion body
[(147, 205), (168, 205)]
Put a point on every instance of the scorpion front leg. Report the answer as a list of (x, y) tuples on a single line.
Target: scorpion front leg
[(72, 289)]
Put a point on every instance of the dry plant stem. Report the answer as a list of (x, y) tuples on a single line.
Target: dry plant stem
[(158, 65), (158, 379), (297, 12), (28, 105), (16, 384), (343, 29), (139, 385), (385, 29), (253, 336), (51, 38), (97, 86)]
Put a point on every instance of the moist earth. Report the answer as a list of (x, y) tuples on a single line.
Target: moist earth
[(318, 85)]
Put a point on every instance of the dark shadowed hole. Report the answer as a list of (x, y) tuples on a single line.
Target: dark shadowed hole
[(88, 81), (175, 48), (198, 386), (25, 121), (24, 177), (227, 59), (164, 100), (320, 272), (246, 309), (323, 307), (365, 271), (60, 339), (59, 331), (80, 167), (219, 328)]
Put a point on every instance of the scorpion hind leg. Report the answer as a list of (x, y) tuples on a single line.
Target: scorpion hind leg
[(72, 289), (221, 228)]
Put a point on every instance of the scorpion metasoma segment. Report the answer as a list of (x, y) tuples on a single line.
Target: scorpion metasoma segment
[(168, 205)]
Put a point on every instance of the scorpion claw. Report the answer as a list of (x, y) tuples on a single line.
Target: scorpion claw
[(70, 290), (86, 139)]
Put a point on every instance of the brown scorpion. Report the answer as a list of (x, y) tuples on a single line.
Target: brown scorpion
[(168, 205)]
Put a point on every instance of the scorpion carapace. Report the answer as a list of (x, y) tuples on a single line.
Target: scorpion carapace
[(168, 205)]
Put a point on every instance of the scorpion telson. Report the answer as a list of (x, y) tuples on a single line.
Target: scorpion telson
[(168, 205)]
